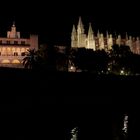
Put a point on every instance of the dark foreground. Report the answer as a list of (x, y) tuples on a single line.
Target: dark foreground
[(44, 105)]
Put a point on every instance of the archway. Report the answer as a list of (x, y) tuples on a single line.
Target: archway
[(15, 61), (5, 61)]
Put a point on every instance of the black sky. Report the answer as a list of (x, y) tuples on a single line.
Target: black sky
[(53, 20)]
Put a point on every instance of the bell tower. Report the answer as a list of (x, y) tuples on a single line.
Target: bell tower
[(13, 33)]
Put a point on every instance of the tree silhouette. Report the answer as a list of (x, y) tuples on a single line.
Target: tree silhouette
[(91, 61), (120, 58), (101, 60), (30, 60)]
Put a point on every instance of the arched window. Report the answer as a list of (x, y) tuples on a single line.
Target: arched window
[(5, 61), (15, 61)]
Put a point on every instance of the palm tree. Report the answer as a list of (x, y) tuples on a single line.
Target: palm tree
[(30, 60)]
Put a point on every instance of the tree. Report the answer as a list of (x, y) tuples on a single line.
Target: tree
[(101, 61), (42, 56), (51, 58), (81, 59), (120, 58), (91, 61), (30, 60)]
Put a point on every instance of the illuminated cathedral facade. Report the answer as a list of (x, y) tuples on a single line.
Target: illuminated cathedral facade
[(13, 48), (100, 41)]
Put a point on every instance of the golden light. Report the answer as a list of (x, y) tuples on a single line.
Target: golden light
[(15, 61), (27, 49), (8, 49), (13, 49), (122, 72), (23, 49), (18, 49), (5, 61), (3, 49)]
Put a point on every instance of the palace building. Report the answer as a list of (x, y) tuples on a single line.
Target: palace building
[(100, 41), (13, 48)]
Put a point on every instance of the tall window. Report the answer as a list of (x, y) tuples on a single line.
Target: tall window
[(8, 42), (15, 54), (23, 54), (23, 42), (16, 42)]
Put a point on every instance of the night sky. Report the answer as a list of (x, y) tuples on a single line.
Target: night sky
[(53, 20)]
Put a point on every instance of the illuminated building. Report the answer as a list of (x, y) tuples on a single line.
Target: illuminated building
[(100, 41), (13, 48)]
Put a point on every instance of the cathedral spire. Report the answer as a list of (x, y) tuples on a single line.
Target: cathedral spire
[(73, 29), (98, 34), (80, 22), (126, 36), (80, 27), (73, 37), (107, 35), (90, 38), (73, 34), (90, 31)]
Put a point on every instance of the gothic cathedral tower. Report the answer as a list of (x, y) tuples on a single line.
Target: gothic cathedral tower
[(74, 37), (79, 38), (90, 39)]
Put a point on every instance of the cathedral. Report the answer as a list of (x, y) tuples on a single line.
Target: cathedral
[(100, 41), (13, 48)]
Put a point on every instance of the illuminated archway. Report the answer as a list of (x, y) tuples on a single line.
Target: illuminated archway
[(15, 61), (5, 61), (23, 50)]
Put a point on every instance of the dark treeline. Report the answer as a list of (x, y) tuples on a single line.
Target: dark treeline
[(119, 60)]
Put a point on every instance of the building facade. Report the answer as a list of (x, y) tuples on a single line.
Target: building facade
[(13, 48), (100, 41)]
